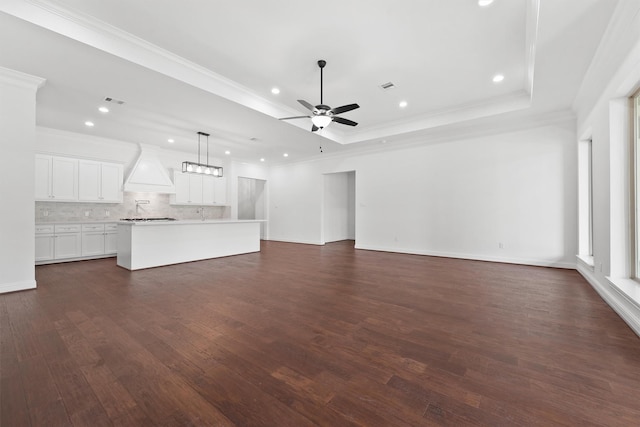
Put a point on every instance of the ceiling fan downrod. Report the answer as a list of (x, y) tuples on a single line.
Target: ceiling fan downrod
[(321, 64)]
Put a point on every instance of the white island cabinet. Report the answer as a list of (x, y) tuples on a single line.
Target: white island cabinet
[(153, 244)]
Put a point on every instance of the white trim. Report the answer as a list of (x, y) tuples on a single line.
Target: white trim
[(459, 132), (17, 286), (17, 78), (489, 258), (303, 242), (108, 38), (612, 295), (533, 16), (587, 261)]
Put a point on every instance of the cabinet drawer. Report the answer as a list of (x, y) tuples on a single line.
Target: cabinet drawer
[(111, 227), (44, 229), (92, 227), (67, 228)]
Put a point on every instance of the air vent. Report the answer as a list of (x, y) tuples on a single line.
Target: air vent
[(113, 100), (387, 86)]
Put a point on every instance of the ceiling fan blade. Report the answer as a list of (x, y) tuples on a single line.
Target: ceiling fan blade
[(295, 117), (314, 128), (345, 108), (344, 121), (307, 105)]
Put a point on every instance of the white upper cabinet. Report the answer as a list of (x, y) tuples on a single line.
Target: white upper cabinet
[(56, 178), (188, 189), (100, 182), (201, 190), (220, 191)]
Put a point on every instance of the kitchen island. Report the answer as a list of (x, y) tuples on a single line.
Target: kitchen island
[(145, 244)]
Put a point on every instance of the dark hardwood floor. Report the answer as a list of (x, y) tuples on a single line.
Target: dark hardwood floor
[(303, 335)]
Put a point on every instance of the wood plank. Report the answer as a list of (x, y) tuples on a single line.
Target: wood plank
[(315, 335)]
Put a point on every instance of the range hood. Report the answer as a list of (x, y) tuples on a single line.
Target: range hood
[(148, 175)]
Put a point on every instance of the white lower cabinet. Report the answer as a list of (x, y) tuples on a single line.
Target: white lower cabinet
[(110, 239), (99, 239), (67, 243), (44, 242), (74, 241)]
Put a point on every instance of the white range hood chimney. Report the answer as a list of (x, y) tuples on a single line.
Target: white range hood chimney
[(148, 175)]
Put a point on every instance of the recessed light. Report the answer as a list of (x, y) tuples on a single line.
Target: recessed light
[(171, 140), (484, 3), (103, 109), (403, 104), (89, 124), (275, 91), (498, 78), (262, 160), (286, 155), (227, 152)]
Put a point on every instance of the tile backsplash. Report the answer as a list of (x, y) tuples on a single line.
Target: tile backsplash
[(158, 206)]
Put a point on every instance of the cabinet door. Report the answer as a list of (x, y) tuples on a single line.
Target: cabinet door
[(208, 190), (64, 179), (89, 180), (67, 245), (44, 247), (195, 189), (110, 242), (220, 193), (111, 182), (92, 243), (181, 182), (43, 177)]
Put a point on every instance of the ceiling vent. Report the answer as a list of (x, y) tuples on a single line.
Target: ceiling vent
[(387, 86), (113, 100)]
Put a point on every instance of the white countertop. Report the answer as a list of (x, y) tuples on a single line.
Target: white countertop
[(98, 221), (190, 221)]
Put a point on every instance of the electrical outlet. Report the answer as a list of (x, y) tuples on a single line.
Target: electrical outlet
[(501, 245), (107, 213), (86, 213), (45, 213)]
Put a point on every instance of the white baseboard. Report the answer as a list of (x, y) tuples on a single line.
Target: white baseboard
[(523, 261), (17, 286), (304, 242), (626, 309)]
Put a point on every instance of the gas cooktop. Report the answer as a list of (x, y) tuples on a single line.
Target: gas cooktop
[(147, 219)]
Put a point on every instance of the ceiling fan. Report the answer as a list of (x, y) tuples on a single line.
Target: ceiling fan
[(322, 115)]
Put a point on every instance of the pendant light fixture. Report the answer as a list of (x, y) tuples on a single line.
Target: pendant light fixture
[(202, 168)]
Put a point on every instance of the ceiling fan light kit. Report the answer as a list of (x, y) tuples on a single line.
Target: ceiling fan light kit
[(322, 115), (202, 168)]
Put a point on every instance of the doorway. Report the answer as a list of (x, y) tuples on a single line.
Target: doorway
[(339, 207), (252, 201)]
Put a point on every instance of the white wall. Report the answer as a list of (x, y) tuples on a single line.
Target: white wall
[(603, 111), (461, 198), (17, 141)]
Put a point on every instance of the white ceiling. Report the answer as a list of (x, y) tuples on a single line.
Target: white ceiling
[(197, 65)]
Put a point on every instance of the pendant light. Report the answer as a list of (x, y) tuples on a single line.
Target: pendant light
[(202, 168)]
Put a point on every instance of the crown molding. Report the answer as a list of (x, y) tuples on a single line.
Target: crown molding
[(455, 132), (600, 75), (18, 78), (108, 38)]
